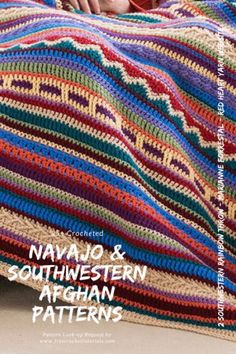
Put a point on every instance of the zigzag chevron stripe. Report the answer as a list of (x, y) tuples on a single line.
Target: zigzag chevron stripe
[(111, 123)]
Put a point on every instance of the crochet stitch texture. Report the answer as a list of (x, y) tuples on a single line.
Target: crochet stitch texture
[(110, 123)]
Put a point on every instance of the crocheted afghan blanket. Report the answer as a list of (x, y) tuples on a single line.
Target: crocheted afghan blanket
[(124, 124)]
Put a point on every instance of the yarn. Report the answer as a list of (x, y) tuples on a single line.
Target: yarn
[(111, 123)]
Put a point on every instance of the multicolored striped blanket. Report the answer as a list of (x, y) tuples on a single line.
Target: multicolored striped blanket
[(125, 124)]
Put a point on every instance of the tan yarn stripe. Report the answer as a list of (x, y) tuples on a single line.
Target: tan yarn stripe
[(130, 316), (176, 187), (158, 279), (49, 191)]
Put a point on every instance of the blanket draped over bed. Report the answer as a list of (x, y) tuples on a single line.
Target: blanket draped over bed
[(125, 124)]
